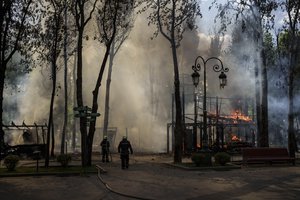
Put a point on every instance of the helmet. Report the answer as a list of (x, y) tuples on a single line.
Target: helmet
[(124, 137)]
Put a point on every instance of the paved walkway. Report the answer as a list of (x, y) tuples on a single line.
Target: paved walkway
[(150, 178)]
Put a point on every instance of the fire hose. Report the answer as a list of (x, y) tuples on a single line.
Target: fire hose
[(101, 170)]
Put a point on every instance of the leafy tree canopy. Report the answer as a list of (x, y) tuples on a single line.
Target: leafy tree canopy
[(172, 15)]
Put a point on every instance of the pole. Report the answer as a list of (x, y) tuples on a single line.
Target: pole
[(173, 122), (195, 120), (168, 142), (218, 126), (217, 68), (205, 144)]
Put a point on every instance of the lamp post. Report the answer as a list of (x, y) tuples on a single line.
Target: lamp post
[(218, 67), (195, 77)]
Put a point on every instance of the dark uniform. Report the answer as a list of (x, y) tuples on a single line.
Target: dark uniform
[(123, 149), (105, 149)]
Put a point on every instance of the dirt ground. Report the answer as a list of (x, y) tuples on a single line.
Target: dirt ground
[(153, 177)]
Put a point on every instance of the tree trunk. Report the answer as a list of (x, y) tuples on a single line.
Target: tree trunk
[(291, 115), (258, 104), (81, 22), (63, 134), (50, 120), (48, 139), (83, 121), (258, 38), (291, 130), (178, 132), (2, 78), (95, 105), (53, 138), (294, 63), (107, 95), (74, 105), (264, 134)]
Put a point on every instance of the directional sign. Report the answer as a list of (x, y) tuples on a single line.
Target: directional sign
[(82, 109), (87, 108), (80, 115), (79, 109), (95, 114), (85, 111)]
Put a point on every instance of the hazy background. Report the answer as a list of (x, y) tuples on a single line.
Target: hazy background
[(142, 83)]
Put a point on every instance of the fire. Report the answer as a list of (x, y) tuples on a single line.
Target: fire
[(235, 138), (236, 115)]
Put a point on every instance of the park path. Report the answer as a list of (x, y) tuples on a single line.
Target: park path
[(150, 177)]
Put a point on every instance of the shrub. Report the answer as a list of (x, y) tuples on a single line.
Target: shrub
[(201, 159), (222, 158), (64, 159), (11, 162)]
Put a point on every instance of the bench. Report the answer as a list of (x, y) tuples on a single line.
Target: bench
[(266, 155)]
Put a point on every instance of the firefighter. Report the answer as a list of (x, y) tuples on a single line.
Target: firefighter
[(105, 149), (124, 148)]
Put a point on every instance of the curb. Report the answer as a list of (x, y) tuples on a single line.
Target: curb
[(46, 174), (215, 168)]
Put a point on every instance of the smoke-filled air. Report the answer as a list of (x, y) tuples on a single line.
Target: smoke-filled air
[(142, 104)]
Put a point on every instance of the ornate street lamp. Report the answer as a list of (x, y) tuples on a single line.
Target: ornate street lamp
[(223, 79), (218, 67), (195, 77)]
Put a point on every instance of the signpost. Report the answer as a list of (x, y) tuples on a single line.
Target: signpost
[(85, 111)]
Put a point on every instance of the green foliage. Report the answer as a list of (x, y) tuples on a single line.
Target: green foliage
[(201, 159), (283, 42), (115, 20), (19, 25), (64, 159), (171, 18), (11, 162), (222, 158), (251, 13), (269, 49)]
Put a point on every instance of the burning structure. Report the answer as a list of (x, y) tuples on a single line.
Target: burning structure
[(230, 122)]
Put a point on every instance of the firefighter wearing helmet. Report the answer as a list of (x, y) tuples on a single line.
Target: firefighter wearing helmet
[(124, 148), (105, 149)]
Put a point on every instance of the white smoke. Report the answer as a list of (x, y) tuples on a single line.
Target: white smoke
[(142, 84)]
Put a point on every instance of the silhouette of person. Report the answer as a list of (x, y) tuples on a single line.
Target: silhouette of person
[(105, 149), (124, 148)]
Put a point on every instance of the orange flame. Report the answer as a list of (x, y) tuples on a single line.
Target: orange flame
[(235, 138), (236, 115)]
